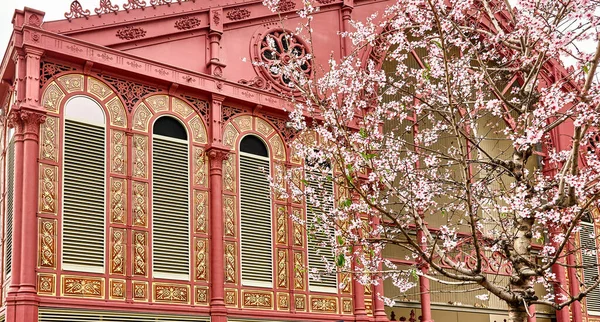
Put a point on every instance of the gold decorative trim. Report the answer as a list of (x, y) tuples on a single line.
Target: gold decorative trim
[(201, 256), (300, 302), (141, 118), (198, 130), (230, 264), (323, 304), (299, 270), (75, 286), (71, 82), (346, 306), (46, 284), (229, 174), (118, 159), (230, 136), (49, 139), (298, 213), (171, 293), (244, 122), (118, 200), (229, 217), (278, 148), (52, 98), (118, 289), (140, 244), (231, 298), (48, 188), (140, 161), (202, 295), (181, 108), (282, 224), (200, 211), (118, 116), (283, 301), (140, 203), (140, 291), (200, 167), (257, 299), (282, 268), (118, 244), (98, 88), (158, 103), (47, 243)]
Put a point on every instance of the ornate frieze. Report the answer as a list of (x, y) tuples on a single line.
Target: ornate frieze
[(48, 188), (117, 289), (229, 215), (118, 243), (201, 259), (201, 295), (186, 23), (299, 270), (52, 98), (229, 174), (282, 268), (118, 116), (257, 300), (82, 286), (140, 161), (281, 225), (200, 211), (140, 203), (140, 291), (140, 246), (171, 293), (200, 166), (323, 304), (46, 284), (47, 243), (230, 263), (49, 139), (130, 32), (238, 14), (118, 200), (118, 158), (98, 88)]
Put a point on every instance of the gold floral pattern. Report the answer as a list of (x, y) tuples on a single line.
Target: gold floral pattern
[(201, 265), (200, 165), (171, 293), (263, 127), (98, 89), (48, 188), (347, 306), (71, 83), (323, 304), (300, 302), (281, 225), (49, 139), (52, 97), (229, 215), (141, 117), (118, 116), (229, 174), (200, 207), (117, 289), (230, 269), (140, 243), (231, 297), (140, 162), (117, 251), (181, 108), (202, 295), (140, 203), (198, 130), (118, 200), (47, 243), (230, 136), (282, 268), (244, 122), (346, 279), (118, 158), (283, 301), (297, 182), (140, 291), (46, 284), (298, 213), (158, 103), (261, 300), (83, 286), (279, 177), (299, 270), (278, 148)]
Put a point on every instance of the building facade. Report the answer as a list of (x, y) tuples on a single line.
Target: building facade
[(136, 144)]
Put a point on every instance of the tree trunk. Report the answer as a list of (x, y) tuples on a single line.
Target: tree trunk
[(517, 313)]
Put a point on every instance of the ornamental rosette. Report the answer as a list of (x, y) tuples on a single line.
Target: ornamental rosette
[(130, 33)]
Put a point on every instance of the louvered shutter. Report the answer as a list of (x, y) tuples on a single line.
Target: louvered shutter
[(257, 252), (316, 250), (10, 195), (170, 203), (70, 315), (589, 257), (83, 197)]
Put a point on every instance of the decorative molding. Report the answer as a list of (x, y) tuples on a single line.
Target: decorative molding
[(117, 289), (229, 174), (77, 11), (140, 161), (282, 268), (229, 216), (118, 200), (158, 103), (72, 82), (216, 17), (347, 306), (198, 130), (106, 7), (130, 32), (82, 286), (238, 14), (171, 293), (257, 300), (155, 3), (201, 106), (118, 116), (186, 23), (134, 4), (46, 284), (286, 5), (140, 245), (323, 304), (278, 174), (201, 256), (257, 82), (47, 243), (278, 149), (49, 139), (230, 258), (298, 214), (199, 167), (117, 251), (243, 122), (281, 225), (48, 188), (140, 203), (98, 88), (141, 118), (118, 158), (299, 270), (52, 98), (325, 1), (200, 211)]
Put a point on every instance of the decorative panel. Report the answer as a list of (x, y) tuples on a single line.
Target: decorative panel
[(140, 257), (282, 268), (230, 136), (46, 284), (229, 181), (118, 243), (263, 127), (171, 293), (229, 215), (277, 147), (200, 167), (48, 189), (117, 289), (198, 130), (47, 243), (201, 259), (72, 82), (158, 103), (347, 306), (322, 304), (118, 200), (98, 88), (200, 211), (140, 161), (231, 297), (294, 154), (118, 116), (140, 203), (230, 267), (281, 225), (53, 97), (140, 291), (141, 117), (298, 214), (201, 295), (300, 302), (257, 299), (181, 108), (244, 122), (346, 279), (118, 152), (297, 182), (82, 286), (49, 139), (299, 270), (283, 301), (279, 178)]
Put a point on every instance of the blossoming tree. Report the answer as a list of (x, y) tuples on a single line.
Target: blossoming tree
[(455, 133)]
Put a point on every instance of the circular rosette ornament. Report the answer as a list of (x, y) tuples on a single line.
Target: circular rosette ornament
[(284, 59)]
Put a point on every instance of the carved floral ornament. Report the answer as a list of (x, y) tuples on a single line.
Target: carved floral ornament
[(186, 23), (238, 14), (130, 33)]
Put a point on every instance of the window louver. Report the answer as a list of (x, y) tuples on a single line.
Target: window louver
[(316, 250), (257, 253), (588, 244), (170, 231), (83, 205), (10, 192), (63, 315)]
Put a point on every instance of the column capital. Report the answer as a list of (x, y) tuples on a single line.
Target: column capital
[(26, 119)]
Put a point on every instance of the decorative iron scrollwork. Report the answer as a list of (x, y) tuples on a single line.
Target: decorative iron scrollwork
[(77, 11)]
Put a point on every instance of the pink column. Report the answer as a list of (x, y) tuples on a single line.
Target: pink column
[(559, 271), (573, 284), (532, 318), (360, 313), (424, 286), (378, 305)]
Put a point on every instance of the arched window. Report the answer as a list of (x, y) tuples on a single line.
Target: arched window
[(84, 185), (10, 195), (170, 200), (589, 256), (255, 209)]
